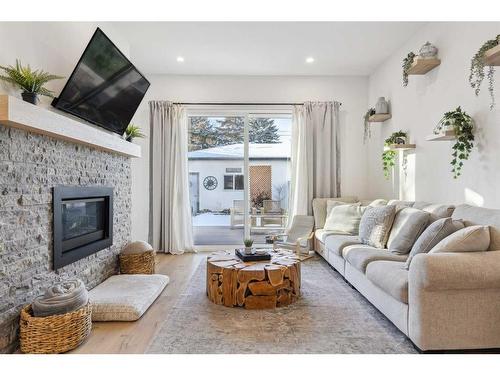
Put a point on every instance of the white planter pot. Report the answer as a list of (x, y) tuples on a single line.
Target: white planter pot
[(382, 106), (248, 251)]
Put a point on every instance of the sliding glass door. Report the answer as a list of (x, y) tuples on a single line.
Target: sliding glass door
[(239, 168)]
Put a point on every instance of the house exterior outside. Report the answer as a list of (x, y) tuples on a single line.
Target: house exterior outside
[(216, 175)]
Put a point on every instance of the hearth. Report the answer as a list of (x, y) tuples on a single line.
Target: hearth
[(83, 222)]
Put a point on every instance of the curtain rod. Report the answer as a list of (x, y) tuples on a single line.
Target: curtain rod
[(202, 103)]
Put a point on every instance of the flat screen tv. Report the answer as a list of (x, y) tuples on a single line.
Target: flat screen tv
[(105, 88)]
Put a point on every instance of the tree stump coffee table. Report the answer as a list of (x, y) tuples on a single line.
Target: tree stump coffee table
[(253, 285)]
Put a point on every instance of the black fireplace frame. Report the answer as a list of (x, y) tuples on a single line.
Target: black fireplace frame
[(61, 194)]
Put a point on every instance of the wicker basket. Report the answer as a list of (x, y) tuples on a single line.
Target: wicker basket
[(141, 263), (56, 333)]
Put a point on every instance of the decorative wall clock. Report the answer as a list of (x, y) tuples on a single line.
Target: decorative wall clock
[(210, 183)]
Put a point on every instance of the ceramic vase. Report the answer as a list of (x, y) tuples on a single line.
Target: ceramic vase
[(30, 97), (428, 51), (382, 106), (248, 251)]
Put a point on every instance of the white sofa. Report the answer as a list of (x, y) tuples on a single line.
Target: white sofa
[(444, 301)]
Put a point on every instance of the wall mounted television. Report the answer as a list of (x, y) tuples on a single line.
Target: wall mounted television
[(105, 88)]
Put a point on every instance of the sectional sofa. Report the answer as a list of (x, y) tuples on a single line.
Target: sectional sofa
[(444, 301)]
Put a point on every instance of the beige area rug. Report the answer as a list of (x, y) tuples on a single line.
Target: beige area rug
[(331, 317)]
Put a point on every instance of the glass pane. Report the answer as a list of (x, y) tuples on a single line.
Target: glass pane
[(269, 175), (215, 154), (239, 182), (82, 217), (228, 182)]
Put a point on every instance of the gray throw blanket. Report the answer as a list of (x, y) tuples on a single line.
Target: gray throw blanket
[(61, 298)]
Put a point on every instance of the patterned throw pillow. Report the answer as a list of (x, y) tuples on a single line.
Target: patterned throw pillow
[(432, 235), (376, 224)]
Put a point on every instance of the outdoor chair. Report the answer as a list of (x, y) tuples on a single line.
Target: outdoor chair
[(237, 213)]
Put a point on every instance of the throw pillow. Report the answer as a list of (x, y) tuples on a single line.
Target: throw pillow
[(378, 203), (376, 224), (432, 235), (468, 239), (408, 224), (438, 211), (330, 205), (344, 219), (395, 202)]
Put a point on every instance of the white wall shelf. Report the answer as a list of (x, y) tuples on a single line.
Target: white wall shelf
[(379, 117), (403, 147), (447, 135), (22, 115), (492, 56)]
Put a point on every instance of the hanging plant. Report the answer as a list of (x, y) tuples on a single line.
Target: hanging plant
[(407, 61), (463, 125), (477, 66), (367, 134), (389, 155)]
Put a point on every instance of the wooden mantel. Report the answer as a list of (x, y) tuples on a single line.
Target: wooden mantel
[(22, 115)]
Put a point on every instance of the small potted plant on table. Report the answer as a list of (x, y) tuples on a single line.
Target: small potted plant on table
[(30, 81), (248, 242)]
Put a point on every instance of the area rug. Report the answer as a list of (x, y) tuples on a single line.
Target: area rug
[(330, 317)]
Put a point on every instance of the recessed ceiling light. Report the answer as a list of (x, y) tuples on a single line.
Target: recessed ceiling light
[(180, 59), (310, 60)]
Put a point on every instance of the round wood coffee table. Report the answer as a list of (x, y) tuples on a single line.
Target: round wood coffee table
[(253, 285)]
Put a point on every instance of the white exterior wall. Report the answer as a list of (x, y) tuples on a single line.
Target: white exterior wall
[(219, 199)]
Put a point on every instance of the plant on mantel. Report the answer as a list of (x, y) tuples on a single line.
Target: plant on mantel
[(367, 133), (463, 125), (389, 155), (407, 62), (133, 131), (32, 82), (477, 66)]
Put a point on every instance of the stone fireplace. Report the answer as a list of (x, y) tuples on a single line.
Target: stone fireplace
[(31, 166)]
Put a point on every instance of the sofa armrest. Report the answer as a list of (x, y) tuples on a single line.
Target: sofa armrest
[(455, 271)]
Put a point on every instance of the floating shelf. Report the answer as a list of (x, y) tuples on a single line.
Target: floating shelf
[(22, 115), (422, 66), (379, 117), (492, 56), (447, 135), (403, 147)]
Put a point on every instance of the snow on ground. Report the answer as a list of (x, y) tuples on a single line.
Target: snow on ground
[(210, 219)]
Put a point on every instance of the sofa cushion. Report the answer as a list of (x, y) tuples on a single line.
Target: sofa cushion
[(438, 211), (125, 297), (359, 256), (344, 219), (481, 216), (337, 242), (468, 239), (391, 277), (322, 234), (396, 202), (432, 235), (408, 224), (319, 208), (420, 204), (376, 224)]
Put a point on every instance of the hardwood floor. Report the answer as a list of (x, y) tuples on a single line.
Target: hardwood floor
[(134, 337)]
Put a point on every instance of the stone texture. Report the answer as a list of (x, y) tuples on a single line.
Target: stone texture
[(30, 166)]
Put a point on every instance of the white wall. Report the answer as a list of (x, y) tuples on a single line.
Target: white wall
[(418, 107), (351, 91)]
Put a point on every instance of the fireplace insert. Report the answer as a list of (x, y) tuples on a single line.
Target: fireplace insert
[(83, 222)]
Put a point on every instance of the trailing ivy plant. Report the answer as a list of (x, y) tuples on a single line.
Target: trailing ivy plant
[(477, 66), (367, 134), (463, 125), (407, 61), (389, 155)]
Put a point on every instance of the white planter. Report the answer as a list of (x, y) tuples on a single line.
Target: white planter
[(248, 250), (382, 106)]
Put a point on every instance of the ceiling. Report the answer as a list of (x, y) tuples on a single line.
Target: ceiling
[(263, 48)]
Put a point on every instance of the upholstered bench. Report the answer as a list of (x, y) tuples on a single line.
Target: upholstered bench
[(125, 297)]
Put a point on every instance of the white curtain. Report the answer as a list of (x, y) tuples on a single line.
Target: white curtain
[(315, 155), (170, 223)]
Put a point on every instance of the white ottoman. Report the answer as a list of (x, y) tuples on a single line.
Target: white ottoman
[(125, 297)]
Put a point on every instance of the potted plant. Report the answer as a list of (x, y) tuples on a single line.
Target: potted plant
[(248, 242), (407, 62), (132, 132), (477, 66), (389, 155), (30, 81), (463, 125), (367, 130)]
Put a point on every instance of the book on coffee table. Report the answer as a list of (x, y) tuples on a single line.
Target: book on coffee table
[(256, 256)]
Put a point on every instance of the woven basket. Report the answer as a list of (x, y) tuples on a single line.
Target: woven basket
[(141, 263), (56, 333)]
